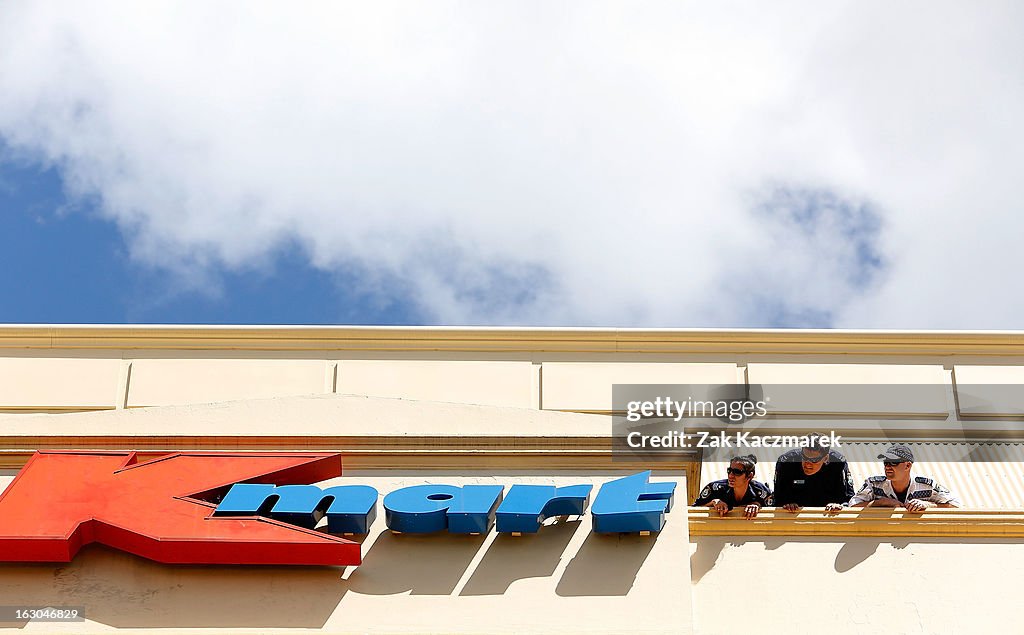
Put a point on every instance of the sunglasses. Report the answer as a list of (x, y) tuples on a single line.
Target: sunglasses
[(735, 471), (892, 463), (817, 459)]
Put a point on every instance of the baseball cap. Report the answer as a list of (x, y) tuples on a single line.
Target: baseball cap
[(897, 453)]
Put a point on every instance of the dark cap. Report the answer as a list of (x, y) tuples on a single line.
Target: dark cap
[(897, 453)]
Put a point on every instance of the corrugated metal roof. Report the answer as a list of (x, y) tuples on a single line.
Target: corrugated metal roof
[(985, 475)]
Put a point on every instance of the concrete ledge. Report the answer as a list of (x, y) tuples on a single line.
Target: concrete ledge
[(979, 523)]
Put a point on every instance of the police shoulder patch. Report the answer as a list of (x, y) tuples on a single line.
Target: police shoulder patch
[(791, 456), (704, 492), (925, 480), (876, 479)]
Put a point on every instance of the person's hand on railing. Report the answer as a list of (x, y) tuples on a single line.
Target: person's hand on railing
[(916, 505)]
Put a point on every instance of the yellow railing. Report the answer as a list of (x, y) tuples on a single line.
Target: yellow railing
[(890, 522)]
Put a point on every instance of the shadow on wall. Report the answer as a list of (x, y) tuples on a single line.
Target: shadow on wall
[(504, 562), (606, 565), (429, 564), (850, 555), (124, 591)]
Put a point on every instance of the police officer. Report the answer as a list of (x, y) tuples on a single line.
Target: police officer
[(813, 476), (739, 489), (899, 488)]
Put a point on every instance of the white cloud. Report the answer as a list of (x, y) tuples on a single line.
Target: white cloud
[(553, 163)]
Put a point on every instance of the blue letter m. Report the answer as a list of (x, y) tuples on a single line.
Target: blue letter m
[(349, 508)]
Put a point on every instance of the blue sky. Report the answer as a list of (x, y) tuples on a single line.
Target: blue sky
[(675, 165), (66, 264)]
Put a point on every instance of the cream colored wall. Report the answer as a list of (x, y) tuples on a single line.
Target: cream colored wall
[(494, 383), (925, 389), (85, 380), (880, 372), (587, 386), (58, 382), (565, 579), (164, 382), (854, 585), (346, 417), (61, 382), (990, 390)]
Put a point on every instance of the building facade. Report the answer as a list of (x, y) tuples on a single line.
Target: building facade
[(470, 406)]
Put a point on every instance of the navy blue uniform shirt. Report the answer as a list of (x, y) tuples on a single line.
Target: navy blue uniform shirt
[(830, 484), (757, 492)]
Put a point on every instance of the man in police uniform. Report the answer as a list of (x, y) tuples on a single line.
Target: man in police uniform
[(739, 489), (813, 476), (898, 488)]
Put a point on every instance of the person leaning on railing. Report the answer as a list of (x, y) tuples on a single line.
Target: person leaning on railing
[(899, 488), (738, 489), (813, 476)]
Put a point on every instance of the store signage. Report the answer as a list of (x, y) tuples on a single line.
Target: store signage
[(160, 509), (627, 505), (164, 509)]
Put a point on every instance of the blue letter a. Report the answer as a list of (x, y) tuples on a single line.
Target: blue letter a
[(424, 509)]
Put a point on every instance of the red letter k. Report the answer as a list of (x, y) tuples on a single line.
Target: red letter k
[(63, 500)]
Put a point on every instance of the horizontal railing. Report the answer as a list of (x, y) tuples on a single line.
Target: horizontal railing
[(881, 522)]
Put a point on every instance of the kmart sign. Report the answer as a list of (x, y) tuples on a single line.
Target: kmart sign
[(259, 508), (630, 504)]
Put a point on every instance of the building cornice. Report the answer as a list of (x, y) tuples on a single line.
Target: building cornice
[(503, 340)]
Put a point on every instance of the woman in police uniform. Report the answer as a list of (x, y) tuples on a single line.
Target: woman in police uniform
[(738, 490)]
